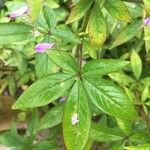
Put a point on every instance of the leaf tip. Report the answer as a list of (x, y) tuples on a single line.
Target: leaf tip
[(13, 107)]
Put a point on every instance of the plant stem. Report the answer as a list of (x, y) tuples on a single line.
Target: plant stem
[(145, 116), (79, 49)]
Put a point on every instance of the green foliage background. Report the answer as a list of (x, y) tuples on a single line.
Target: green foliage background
[(91, 89)]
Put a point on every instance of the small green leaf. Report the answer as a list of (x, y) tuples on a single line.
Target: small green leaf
[(102, 67), (50, 17), (125, 126), (45, 145), (145, 93), (109, 98), (121, 78), (9, 139), (76, 119), (87, 46), (52, 118), (118, 145), (97, 27), (139, 147), (79, 10), (64, 60), (127, 33), (147, 38), (104, 134), (136, 64), (147, 7), (118, 10), (35, 8), (12, 87), (44, 91), (100, 3), (14, 32)]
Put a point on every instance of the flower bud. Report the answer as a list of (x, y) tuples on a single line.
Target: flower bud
[(42, 47), (147, 21), (19, 12)]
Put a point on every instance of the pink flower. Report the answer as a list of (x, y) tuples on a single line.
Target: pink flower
[(147, 21), (42, 47), (19, 12)]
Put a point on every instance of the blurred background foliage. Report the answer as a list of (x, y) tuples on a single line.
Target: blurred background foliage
[(20, 66)]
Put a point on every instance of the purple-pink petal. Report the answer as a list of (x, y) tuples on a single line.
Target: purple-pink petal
[(42, 47), (19, 12), (147, 21)]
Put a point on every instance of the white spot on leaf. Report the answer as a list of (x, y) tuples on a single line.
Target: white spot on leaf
[(75, 119)]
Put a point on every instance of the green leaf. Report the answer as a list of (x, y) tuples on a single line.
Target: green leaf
[(35, 8), (12, 86), (127, 33), (64, 60), (147, 38), (121, 78), (145, 93), (14, 32), (139, 147), (52, 118), (87, 46), (44, 91), (45, 145), (136, 64), (102, 67), (118, 10), (50, 17), (65, 34), (44, 66), (125, 126), (100, 3), (79, 10), (109, 98), (9, 139), (104, 134), (76, 119), (118, 145), (147, 7), (97, 27)]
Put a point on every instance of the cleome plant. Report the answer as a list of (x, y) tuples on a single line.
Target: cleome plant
[(79, 73)]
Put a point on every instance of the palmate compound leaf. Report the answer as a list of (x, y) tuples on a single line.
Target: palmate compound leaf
[(76, 118), (44, 91), (14, 32), (109, 98), (102, 67)]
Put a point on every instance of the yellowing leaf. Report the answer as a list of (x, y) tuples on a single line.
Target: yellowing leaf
[(79, 10), (136, 64), (97, 27), (147, 38), (35, 8), (127, 33), (118, 10)]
